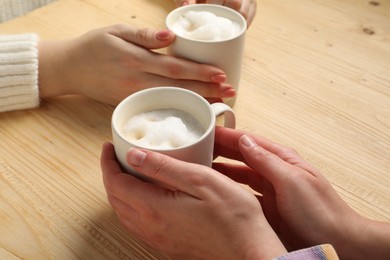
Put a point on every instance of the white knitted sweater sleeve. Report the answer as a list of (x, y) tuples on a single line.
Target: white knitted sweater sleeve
[(18, 72)]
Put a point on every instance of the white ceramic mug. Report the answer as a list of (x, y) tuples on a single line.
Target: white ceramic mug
[(224, 54), (200, 152)]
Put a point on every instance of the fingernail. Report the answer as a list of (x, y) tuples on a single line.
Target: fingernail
[(135, 157), (247, 141), (163, 35), (219, 78), (184, 3), (228, 92)]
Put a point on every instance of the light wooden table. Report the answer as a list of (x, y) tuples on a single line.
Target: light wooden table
[(316, 76)]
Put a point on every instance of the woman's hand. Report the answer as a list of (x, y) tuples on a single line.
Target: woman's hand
[(246, 7), (204, 215), (297, 200), (110, 63)]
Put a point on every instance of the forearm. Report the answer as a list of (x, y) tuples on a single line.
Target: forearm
[(373, 242), (368, 239)]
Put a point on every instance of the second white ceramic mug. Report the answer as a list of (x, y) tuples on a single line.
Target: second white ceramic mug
[(224, 54), (200, 152)]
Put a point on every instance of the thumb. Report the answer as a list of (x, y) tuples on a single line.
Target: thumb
[(145, 37), (179, 175), (269, 165)]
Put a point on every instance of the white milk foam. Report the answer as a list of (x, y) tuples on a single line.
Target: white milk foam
[(163, 129), (206, 26)]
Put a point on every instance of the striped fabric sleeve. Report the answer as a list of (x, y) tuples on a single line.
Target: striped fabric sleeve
[(320, 252), (18, 72)]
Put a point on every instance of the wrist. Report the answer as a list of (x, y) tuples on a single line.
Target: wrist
[(53, 79), (367, 239), (266, 247)]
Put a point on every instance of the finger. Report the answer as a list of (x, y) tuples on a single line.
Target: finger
[(272, 167), (108, 162), (227, 145), (205, 89), (145, 37), (215, 2), (233, 4), (242, 174), (246, 7), (251, 9), (213, 92), (245, 10), (177, 68), (212, 100), (125, 187), (250, 16), (164, 65), (194, 179), (238, 173), (184, 2)]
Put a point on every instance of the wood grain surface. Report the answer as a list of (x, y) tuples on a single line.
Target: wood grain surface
[(315, 76)]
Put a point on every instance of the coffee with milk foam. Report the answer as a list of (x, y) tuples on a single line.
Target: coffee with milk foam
[(163, 129), (206, 26)]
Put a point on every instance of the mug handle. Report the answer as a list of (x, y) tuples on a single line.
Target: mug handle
[(221, 108)]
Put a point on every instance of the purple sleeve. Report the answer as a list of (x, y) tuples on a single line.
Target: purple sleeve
[(320, 252)]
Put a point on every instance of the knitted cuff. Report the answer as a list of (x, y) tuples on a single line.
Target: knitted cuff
[(18, 72)]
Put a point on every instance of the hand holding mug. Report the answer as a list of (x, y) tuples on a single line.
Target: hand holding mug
[(164, 119), (298, 201), (110, 63), (204, 215), (245, 7), (210, 34)]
